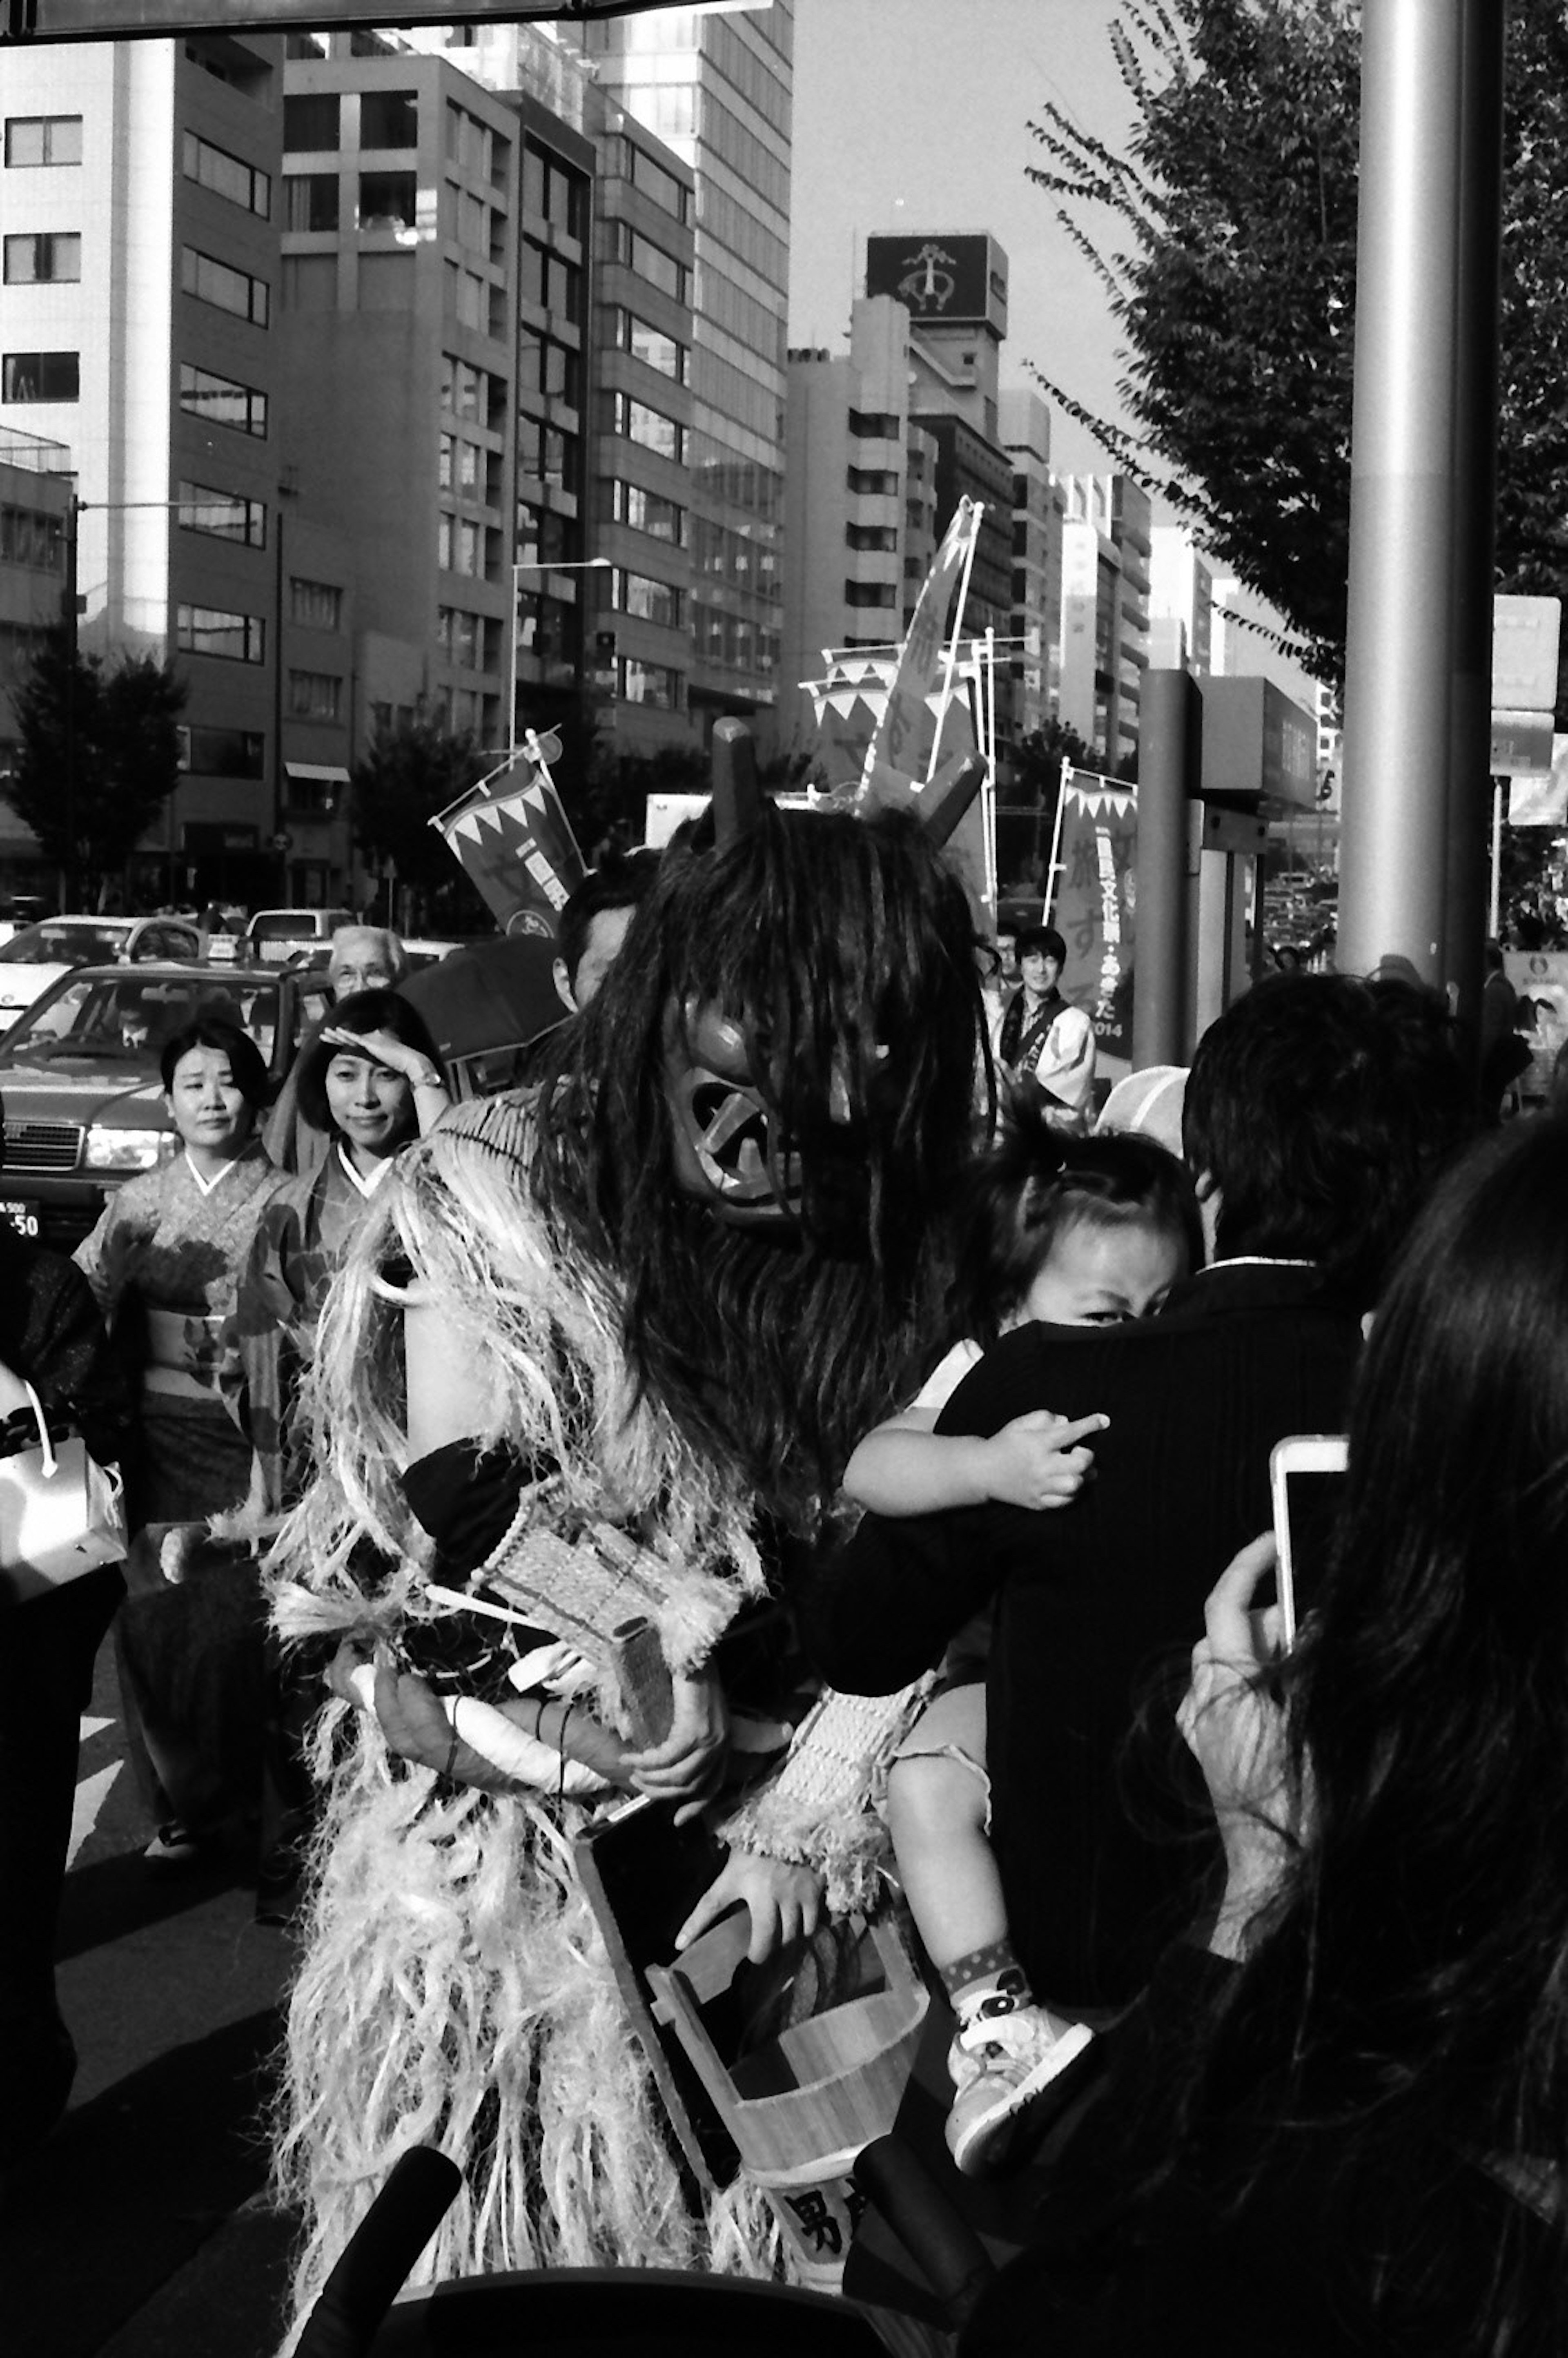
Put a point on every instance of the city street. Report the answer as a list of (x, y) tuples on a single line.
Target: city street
[(144, 2232)]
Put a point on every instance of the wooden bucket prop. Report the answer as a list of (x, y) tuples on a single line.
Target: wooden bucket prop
[(801, 2106)]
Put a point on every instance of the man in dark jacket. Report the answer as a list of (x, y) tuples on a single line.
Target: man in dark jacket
[(1316, 1112)]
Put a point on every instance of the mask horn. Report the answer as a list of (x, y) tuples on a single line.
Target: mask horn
[(737, 798), (943, 802)]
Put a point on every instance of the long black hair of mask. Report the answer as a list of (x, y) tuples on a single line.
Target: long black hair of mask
[(846, 951)]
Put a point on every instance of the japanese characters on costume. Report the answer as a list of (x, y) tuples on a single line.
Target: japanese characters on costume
[(689, 1275)]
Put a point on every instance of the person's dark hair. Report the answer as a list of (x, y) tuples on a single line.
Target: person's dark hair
[(1409, 1991), (1042, 939), (1033, 1186), (362, 1012), (848, 951), (246, 1061), (623, 880), (1321, 1107)]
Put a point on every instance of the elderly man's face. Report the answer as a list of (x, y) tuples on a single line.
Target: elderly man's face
[(360, 962)]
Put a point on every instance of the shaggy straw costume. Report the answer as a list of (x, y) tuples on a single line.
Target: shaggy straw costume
[(654, 1368)]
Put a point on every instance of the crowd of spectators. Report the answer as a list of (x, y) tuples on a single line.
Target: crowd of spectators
[(1258, 1968)]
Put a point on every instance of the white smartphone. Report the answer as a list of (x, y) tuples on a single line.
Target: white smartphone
[(1306, 1477)]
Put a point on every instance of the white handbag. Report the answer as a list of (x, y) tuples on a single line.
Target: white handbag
[(61, 1514)]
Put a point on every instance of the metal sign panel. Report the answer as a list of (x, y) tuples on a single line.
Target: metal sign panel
[(1521, 743), (944, 281), (1525, 633), (103, 20)]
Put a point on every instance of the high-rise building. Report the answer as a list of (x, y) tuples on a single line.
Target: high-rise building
[(1104, 611), (715, 87), (955, 289), (588, 332), (1180, 600), (1034, 651), (861, 504), (139, 322), (36, 491)]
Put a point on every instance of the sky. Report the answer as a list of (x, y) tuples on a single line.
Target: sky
[(914, 115)]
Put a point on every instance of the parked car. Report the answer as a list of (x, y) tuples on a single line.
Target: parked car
[(79, 1088), (40, 954), (274, 934)]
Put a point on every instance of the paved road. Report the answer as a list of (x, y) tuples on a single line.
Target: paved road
[(145, 2232)]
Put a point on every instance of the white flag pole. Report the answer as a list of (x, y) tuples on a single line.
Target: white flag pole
[(1055, 842), (950, 666)]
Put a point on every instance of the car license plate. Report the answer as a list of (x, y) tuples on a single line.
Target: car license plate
[(23, 1217)]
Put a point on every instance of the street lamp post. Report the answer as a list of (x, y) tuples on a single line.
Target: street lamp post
[(574, 565)]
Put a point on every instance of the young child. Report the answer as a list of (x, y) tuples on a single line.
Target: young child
[(1080, 1233)]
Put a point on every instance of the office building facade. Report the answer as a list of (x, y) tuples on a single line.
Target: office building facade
[(861, 504), (1105, 612), (715, 89)]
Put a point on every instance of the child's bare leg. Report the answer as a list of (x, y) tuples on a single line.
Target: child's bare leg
[(938, 1806), (1009, 2047)]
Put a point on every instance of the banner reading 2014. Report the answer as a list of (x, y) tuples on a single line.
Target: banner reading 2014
[(1092, 908)]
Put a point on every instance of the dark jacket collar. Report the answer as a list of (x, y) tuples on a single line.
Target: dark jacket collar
[(1245, 1284)]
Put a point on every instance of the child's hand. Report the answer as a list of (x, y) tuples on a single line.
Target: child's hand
[(1034, 1462)]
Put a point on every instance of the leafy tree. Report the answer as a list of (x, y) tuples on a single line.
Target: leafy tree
[(98, 756), (1230, 267), (410, 771), (1026, 803)]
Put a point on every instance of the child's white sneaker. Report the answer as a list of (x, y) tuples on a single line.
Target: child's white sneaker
[(999, 2063)]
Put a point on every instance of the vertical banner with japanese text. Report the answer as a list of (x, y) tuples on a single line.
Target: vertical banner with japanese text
[(1092, 904)]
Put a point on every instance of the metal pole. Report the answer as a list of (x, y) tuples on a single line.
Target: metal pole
[(1399, 653), (512, 673), (1475, 360), (1171, 707)]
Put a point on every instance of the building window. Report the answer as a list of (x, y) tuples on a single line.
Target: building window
[(650, 684), (868, 593), (40, 376), (672, 195), (227, 176), (644, 511), (872, 481), (472, 393), (315, 605), (227, 753), (227, 289), (871, 425), (548, 367), (314, 696), (208, 631), (649, 428), (29, 536), (389, 118), (552, 193), (310, 121), (469, 641), (651, 346), (220, 402), (43, 258), (227, 516), (551, 281), (310, 201), (469, 145), (650, 601), (872, 535), (43, 139), (650, 261), (388, 200)]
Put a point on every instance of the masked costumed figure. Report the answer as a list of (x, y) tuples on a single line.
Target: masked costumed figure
[(592, 1370)]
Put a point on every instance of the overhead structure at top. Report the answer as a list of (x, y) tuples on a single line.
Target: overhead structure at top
[(108, 20)]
